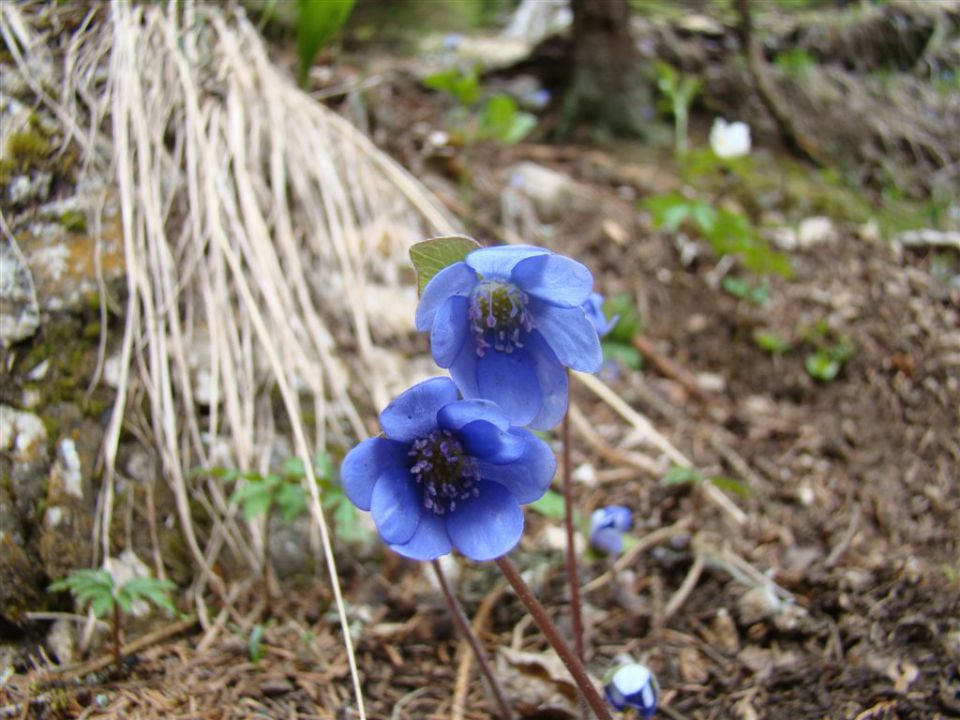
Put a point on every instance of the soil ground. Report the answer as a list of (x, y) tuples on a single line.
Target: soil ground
[(853, 507)]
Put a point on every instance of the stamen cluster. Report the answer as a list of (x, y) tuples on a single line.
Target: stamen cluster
[(497, 314), (443, 470)]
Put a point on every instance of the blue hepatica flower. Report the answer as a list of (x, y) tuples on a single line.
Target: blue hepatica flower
[(449, 473), (607, 526), (593, 308), (633, 686), (508, 321)]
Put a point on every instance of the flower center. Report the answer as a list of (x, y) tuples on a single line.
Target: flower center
[(498, 312), (443, 470)]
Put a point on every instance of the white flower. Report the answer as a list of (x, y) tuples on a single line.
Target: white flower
[(730, 140)]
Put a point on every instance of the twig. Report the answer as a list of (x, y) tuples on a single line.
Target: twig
[(672, 369), (480, 618), (468, 634), (647, 541), (686, 587), (614, 455), (587, 689), (847, 538), (97, 664)]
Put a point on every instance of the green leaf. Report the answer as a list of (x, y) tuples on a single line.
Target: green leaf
[(431, 256), (102, 605), (464, 87), (682, 476), (550, 505), (318, 21), (731, 485), (293, 468), (770, 342), (821, 366), (628, 326), (628, 355), (153, 590), (323, 466), (253, 646), (291, 500), (501, 120)]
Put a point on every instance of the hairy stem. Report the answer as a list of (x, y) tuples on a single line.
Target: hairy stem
[(572, 574), (464, 626), (556, 641)]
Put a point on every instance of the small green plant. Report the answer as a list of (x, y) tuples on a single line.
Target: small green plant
[(317, 22), (832, 352), (679, 91), (98, 590), (728, 232), (497, 118), (678, 475), (771, 342), (796, 63), (742, 289)]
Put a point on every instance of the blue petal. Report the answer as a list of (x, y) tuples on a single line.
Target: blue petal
[(487, 442), (487, 526), (429, 541), (455, 415), (365, 463), (555, 279), (617, 517), (510, 380), (396, 505), (450, 330), (570, 334), (456, 279), (498, 262), (607, 540), (553, 381), (529, 477), (414, 413), (464, 370)]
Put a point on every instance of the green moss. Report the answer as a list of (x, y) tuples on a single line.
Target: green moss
[(74, 220), (27, 148), (91, 331)]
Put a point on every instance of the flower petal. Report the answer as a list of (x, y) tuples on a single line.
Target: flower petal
[(365, 463), (450, 330), (455, 415), (429, 541), (570, 334), (414, 413), (396, 505), (555, 279), (488, 442), (464, 370), (510, 380), (456, 279), (553, 382), (529, 477), (487, 526), (498, 262)]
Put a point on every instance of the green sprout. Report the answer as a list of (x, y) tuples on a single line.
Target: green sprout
[(678, 475), (98, 590), (679, 91)]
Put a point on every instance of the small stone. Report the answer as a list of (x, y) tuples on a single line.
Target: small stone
[(756, 604), (725, 630), (614, 232), (40, 371), (61, 641), (815, 231), (553, 194), (692, 667), (19, 312)]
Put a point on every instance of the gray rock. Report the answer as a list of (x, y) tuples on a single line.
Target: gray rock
[(553, 194), (19, 312), (34, 188)]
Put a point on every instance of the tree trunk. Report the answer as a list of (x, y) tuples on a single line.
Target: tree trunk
[(607, 88)]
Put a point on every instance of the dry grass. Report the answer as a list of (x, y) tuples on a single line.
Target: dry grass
[(254, 221)]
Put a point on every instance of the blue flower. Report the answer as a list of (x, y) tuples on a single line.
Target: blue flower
[(508, 321), (607, 526), (449, 473), (593, 307), (633, 686)]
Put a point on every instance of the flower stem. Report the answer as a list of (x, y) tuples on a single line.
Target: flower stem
[(464, 626), (547, 627), (572, 575)]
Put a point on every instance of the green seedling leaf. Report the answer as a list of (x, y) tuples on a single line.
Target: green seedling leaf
[(464, 87), (253, 646), (153, 590), (682, 476), (821, 366), (628, 355), (318, 21), (731, 485), (770, 342), (431, 256), (550, 505), (624, 308), (291, 500), (501, 120), (323, 466)]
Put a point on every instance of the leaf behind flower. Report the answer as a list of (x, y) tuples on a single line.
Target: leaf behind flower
[(431, 256)]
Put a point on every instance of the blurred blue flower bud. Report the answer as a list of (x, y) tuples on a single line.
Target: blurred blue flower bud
[(633, 686), (607, 526), (593, 308)]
